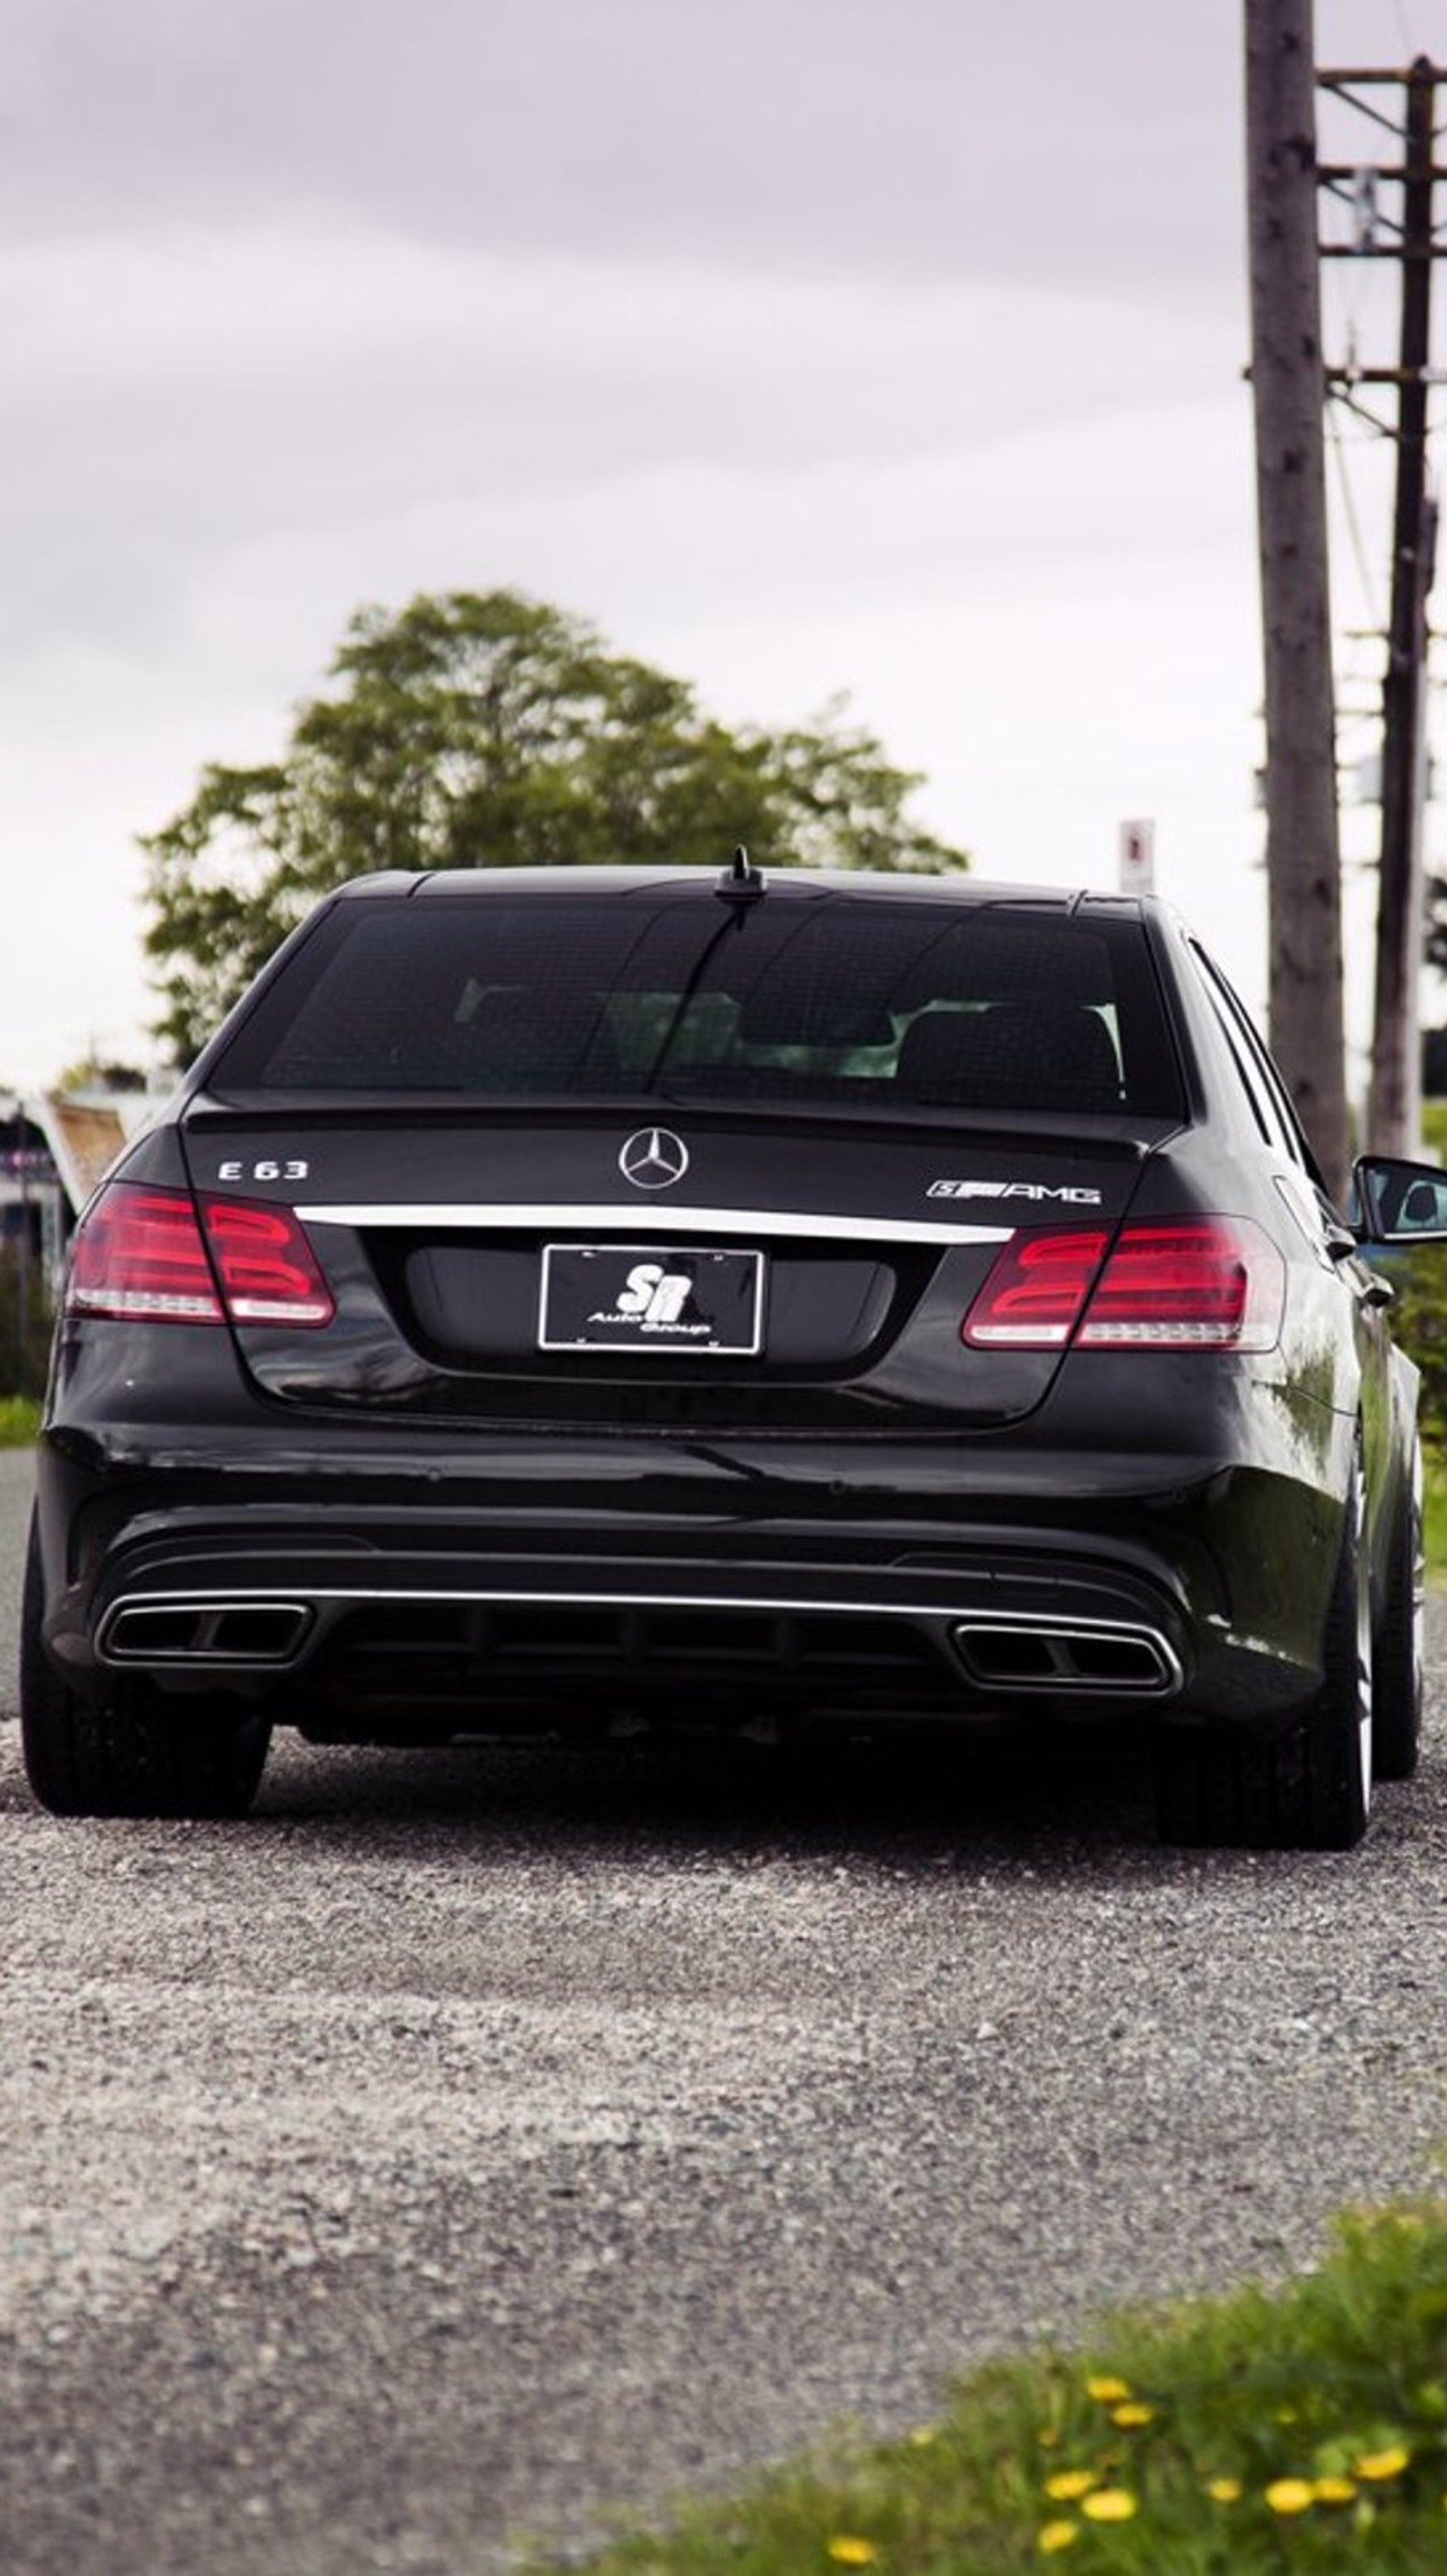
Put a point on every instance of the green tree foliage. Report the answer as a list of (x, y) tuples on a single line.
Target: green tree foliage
[(1419, 1323), (25, 1321), (97, 1073), (1434, 941), (489, 730)]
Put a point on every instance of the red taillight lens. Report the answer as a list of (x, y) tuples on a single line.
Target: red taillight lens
[(1034, 1296), (1210, 1283), (267, 1269), (1216, 1285), (143, 1254), (139, 1253)]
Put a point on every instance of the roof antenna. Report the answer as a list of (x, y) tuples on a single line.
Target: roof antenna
[(739, 883)]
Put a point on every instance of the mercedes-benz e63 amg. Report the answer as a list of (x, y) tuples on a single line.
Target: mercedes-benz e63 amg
[(824, 1301)]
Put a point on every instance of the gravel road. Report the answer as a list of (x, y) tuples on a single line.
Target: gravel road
[(472, 2146)]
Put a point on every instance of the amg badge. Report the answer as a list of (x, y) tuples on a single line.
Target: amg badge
[(1067, 1194)]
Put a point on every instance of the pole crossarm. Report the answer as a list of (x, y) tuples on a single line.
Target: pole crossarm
[(1354, 375), (1421, 70), (1333, 173)]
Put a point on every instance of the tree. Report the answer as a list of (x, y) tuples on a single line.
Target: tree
[(93, 1072), (489, 730)]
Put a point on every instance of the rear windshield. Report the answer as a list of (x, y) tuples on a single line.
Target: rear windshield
[(834, 999)]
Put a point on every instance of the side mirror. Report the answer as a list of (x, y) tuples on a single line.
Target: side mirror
[(1397, 1202)]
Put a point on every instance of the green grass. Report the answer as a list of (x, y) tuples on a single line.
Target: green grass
[(19, 1421), (1296, 2429)]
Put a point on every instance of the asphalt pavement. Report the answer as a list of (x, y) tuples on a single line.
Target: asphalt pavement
[(474, 2146)]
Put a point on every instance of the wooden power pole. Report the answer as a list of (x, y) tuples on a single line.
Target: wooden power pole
[(1396, 1101), (1407, 238), (1302, 853)]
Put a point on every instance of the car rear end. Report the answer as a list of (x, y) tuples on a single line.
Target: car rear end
[(556, 1296)]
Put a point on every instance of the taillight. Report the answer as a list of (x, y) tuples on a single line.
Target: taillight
[(143, 1253), (1211, 1283), (266, 1267), (139, 1253), (1218, 1285), (1034, 1296)]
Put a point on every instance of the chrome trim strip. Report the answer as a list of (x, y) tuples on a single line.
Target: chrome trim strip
[(384, 1595), (649, 1216)]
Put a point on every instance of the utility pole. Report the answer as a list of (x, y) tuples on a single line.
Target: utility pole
[(1396, 1098), (1302, 853), (1395, 1107)]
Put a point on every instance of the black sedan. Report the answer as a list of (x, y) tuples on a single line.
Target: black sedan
[(571, 1296)]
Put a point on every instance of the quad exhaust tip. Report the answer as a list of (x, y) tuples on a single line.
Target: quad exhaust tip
[(1067, 1655), (204, 1632)]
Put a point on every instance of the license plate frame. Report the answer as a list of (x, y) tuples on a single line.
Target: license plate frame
[(703, 1298)]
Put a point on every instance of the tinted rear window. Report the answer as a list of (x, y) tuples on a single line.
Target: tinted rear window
[(831, 999)]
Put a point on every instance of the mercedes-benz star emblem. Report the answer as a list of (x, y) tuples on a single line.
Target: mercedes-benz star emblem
[(653, 1158)]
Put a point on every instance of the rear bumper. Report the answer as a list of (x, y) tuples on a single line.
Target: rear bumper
[(873, 1588), (511, 1626)]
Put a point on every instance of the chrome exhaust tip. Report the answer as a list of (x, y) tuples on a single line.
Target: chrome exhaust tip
[(204, 1632), (1117, 1660)]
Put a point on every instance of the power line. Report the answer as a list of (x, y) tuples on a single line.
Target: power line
[(1349, 513)]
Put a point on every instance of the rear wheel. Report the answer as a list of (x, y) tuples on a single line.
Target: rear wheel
[(1307, 1787), (136, 1751), (1397, 1653)]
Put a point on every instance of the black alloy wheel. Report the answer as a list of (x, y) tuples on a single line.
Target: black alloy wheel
[(137, 1751), (1306, 1786)]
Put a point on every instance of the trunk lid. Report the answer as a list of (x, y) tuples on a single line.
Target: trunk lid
[(689, 1267)]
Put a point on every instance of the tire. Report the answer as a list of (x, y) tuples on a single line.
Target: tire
[(1397, 1650), (137, 1751), (1305, 1787)]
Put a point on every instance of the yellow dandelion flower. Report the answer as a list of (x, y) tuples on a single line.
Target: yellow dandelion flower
[(1108, 2392), (1382, 2464), (1068, 2483), (848, 2550), (1056, 2535), (1224, 2490), (921, 2436), (1133, 2412), (1336, 2490), (1291, 2495), (1109, 2504)]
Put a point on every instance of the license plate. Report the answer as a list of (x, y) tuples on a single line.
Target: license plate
[(643, 1297)]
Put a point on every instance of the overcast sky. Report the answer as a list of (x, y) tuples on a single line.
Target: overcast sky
[(887, 346)]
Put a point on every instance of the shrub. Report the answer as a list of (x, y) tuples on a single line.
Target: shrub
[(1419, 1323), (25, 1323)]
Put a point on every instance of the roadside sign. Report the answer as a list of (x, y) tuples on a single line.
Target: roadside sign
[(1138, 857)]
